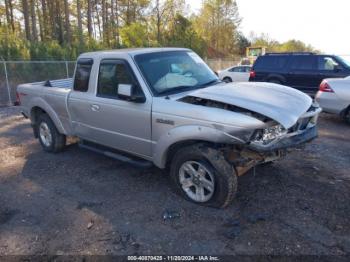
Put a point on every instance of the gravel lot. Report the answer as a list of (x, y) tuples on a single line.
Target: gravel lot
[(78, 202)]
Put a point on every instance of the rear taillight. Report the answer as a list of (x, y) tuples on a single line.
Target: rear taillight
[(252, 74), (18, 100), (324, 87)]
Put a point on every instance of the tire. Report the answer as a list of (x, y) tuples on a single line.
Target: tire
[(267, 163), (227, 79), (346, 115), (211, 166), (275, 81), (50, 139)]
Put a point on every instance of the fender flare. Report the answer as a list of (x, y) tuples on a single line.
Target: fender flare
[(345, 111), (276, 76), (42, 104), (189, 133)]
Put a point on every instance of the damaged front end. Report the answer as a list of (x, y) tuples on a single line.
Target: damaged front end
[(276, 137), (278, 132), (244, 159), (272, 143)]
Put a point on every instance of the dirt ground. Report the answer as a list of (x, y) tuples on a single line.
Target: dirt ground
[(79, 202)]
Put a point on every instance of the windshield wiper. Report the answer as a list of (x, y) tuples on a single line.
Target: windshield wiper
[(177, 89), (210, 83)]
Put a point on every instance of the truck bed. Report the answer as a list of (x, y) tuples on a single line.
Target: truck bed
[(51, 95), (60, 83)]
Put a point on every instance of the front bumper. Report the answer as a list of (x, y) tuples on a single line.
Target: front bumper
[(302, 132), (289, 141), (256, 152)]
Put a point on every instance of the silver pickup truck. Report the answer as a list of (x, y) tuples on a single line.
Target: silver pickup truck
[(165, 107)]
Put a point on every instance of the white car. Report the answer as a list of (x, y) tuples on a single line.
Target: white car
[(334, 96), (235, 74)]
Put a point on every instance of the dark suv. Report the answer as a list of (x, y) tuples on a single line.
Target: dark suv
[(303, 71)]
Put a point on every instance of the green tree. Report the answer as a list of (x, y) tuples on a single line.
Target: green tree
[(295, 46), (241, 43), (134, 35), (217, 24), (163, 16), (275, 46), (62, 29), (264, 40), (182, 34)]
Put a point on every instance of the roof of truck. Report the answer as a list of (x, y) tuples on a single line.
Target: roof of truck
[(132, 51)]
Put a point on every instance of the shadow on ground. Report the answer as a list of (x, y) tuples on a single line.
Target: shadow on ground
[(78, 202)]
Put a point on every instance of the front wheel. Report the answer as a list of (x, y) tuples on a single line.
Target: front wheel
[(50, 138), (347, 115), (202, 175), (227, 79)]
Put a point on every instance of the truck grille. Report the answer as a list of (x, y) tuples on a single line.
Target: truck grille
[(302, 122)]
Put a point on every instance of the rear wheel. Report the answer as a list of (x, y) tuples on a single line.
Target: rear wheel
[(227, 79), (202, 175), (50, 139), (347, 115)]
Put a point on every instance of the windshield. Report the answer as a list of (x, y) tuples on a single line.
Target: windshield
[(175, 71), (346, 61)]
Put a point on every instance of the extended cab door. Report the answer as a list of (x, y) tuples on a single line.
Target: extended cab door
[(102, 117)]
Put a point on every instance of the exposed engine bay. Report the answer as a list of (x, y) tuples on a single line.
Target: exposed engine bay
[(215, 104)]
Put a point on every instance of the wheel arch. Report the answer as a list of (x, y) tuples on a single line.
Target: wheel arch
[(180, 144), (182, 136), (228, 78), (345, 111), (39, 107), (278, 77)]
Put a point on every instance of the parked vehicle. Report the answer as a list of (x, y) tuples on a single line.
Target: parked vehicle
[(235, 74), (302, 71), (334, 97), (167, 108)]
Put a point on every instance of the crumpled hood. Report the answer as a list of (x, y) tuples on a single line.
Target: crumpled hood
[(283, 104)]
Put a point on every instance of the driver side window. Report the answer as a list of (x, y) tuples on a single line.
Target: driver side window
[(112, 73), (237, 69), (327, 63)]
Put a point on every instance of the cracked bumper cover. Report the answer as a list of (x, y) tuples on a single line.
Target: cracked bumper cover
[(290, 141)]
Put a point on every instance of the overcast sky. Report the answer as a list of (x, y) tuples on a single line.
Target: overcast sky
[(325, 24)]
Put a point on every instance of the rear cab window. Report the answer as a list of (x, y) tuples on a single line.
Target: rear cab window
[(82, 75)]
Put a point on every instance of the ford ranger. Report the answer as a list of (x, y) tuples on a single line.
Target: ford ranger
[(166, 107)]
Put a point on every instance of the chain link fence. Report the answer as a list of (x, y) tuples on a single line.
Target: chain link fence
[(220, 64), (13, 73)]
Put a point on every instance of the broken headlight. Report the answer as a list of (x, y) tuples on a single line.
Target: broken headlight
[(269, 134)]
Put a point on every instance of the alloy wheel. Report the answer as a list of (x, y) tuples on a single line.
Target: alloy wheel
[(197, 181)]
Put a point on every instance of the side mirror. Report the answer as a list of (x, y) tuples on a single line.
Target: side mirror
[(129, 93)]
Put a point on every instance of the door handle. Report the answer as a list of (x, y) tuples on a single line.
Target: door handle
[(95, 108)]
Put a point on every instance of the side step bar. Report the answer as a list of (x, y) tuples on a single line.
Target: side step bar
[(104, 151)]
